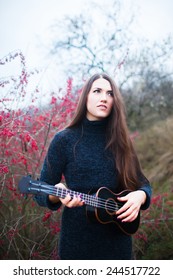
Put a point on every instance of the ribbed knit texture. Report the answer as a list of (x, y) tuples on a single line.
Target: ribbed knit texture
[(79, 154)]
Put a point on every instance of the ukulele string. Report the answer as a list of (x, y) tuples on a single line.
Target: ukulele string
[(94, 201)]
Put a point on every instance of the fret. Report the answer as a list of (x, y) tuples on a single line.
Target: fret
[(90, 200), (96, 202), (64, 192), (57, 191), (73, 193)]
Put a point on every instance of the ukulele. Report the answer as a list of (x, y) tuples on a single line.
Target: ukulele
[(101, 206)]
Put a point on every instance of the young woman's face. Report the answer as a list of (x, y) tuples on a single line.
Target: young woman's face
[(100, 100)]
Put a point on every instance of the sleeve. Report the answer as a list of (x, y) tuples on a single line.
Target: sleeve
[(148, 191), (146, 187), (52, 171)]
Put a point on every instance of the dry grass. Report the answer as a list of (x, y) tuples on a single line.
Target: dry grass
[(155, 151)]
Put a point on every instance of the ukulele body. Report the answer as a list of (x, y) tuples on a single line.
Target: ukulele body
[(107, 212)]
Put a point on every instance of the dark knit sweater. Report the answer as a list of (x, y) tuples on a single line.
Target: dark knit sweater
[(79, 154)]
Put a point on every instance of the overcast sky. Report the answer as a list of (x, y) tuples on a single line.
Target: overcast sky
[(23, 21)]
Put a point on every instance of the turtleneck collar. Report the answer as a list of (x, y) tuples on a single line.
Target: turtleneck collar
[(95, 127)]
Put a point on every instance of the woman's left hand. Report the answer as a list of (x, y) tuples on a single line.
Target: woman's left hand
[(133, 201)]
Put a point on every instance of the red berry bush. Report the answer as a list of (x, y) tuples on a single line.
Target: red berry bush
[(28, 231)]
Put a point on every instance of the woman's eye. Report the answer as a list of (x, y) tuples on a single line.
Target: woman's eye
[(110, 93), (96, 91)]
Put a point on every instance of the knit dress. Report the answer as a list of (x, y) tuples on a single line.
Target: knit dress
[(79, 154)]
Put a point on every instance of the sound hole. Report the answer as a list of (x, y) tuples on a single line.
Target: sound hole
[(111, 206)]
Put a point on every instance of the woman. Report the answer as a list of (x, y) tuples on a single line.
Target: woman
[(95, 151)]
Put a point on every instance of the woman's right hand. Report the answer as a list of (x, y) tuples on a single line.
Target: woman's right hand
[(68, 200)]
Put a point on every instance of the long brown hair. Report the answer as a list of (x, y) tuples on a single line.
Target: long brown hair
[(118, 137)]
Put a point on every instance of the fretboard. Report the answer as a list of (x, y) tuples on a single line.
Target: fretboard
[(91, 200)]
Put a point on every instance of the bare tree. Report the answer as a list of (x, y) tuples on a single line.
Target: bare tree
[(100, 41), (92, 41)]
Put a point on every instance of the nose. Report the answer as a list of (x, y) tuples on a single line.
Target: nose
[(104, 97)]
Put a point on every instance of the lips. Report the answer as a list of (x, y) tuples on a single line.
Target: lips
[(102, 106)]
